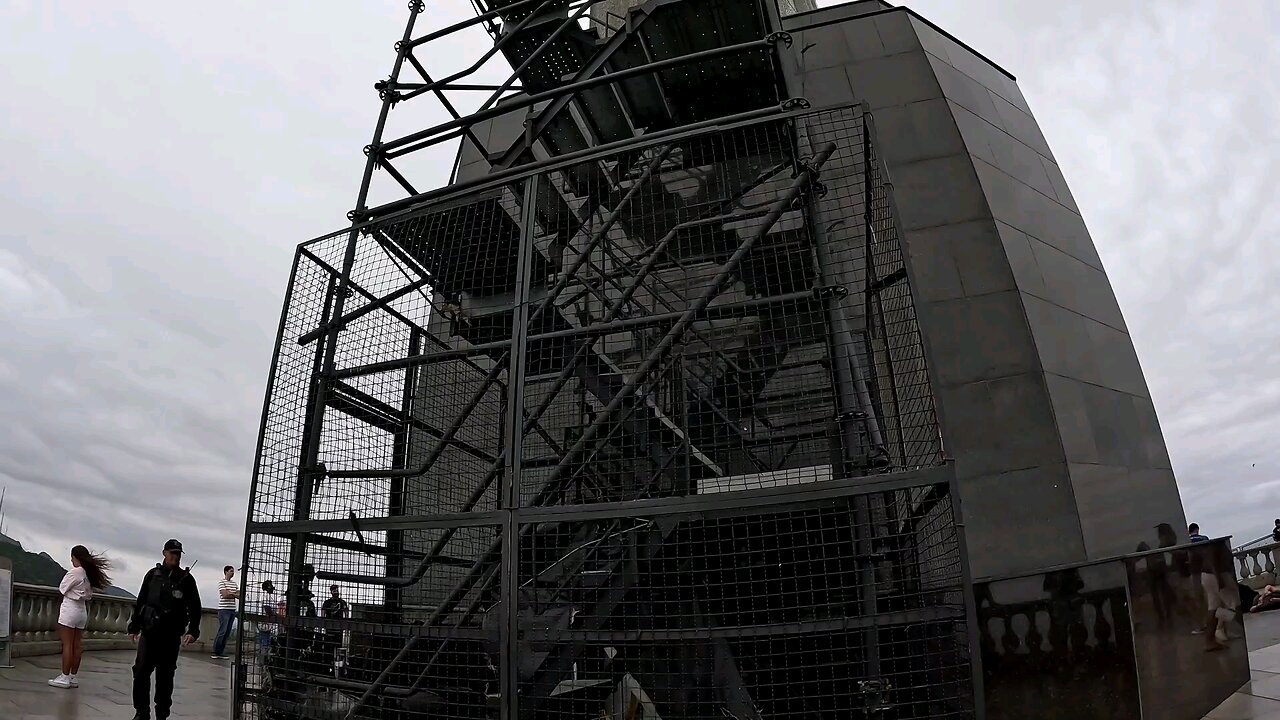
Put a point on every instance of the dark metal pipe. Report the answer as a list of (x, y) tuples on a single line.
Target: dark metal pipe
[(656, 356), (363, 310), (501, 362), (603, 328), (505, 176), (536, 98), (571, 21), (727, 271), (506, 37), (482, 17)]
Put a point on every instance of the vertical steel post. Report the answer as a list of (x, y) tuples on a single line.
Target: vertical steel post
[(239, 668), (308, 473), (851, 396), (509, 633), (402, 455)]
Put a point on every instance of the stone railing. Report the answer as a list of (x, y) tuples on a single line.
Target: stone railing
[(1110, 637), (34, 623), (1256, 566)]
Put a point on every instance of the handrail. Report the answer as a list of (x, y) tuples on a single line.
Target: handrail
[(1255, 541), (1099, 561)]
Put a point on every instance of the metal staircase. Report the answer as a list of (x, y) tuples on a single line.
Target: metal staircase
[(585, 433)]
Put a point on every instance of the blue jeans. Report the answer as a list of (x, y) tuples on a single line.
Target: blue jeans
[(225, 620)]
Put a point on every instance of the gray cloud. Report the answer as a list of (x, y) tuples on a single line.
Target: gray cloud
[(161, 161)]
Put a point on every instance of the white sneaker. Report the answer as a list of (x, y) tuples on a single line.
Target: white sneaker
[(62, 681), (74, 682)]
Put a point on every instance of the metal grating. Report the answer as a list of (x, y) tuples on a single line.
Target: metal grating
[(568, 365)]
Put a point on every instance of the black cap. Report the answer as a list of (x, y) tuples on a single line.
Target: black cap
[(173, 545)]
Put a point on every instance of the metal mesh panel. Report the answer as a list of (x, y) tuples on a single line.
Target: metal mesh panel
[(776, 612), (720, 317)]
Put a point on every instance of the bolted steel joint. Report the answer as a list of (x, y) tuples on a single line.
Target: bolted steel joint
[(417, 6), (780, 37)]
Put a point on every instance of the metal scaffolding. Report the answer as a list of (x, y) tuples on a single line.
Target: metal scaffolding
[(631, 420)]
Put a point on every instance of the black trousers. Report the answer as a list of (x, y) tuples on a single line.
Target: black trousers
[(157, 653)]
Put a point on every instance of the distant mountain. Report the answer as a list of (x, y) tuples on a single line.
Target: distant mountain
[(40, 569)]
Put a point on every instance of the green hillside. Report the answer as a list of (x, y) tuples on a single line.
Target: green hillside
[(40, 569)]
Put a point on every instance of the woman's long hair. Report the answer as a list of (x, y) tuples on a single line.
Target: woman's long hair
[(95, 567)]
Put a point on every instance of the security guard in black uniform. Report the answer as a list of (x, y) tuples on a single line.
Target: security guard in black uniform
[(165, 617)]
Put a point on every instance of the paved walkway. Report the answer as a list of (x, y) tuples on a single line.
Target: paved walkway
[(201, 689), (1259, 699), (202, 686)]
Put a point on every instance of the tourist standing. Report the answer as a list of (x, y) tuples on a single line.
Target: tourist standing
[(165, 617), (267, 625), (88, 573), (1275, 532), (335, 608), (228, 595)]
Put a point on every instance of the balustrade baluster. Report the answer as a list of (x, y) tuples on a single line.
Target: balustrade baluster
[(1008, 639), (1035, 639), (1102, 631)]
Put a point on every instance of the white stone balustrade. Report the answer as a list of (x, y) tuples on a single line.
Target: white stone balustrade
[(1256, 566), (34, 622)]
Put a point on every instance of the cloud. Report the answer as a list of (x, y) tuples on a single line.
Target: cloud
[(162, 160)]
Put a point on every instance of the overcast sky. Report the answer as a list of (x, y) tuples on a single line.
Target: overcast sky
[(160, 161)]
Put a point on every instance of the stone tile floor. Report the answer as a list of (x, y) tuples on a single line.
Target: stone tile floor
[(1259, 699), (201, 689)]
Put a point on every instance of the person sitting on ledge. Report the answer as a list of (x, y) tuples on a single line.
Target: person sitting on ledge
[(1268, 599)]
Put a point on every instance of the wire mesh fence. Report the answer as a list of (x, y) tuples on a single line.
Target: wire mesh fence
[(488, 415)]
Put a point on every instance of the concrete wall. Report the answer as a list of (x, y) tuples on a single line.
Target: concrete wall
[(1042, 399)]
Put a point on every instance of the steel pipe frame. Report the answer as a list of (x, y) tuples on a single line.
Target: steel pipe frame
[(647, 267), (501, 362), (658, 251), (497, 46), (468, 122), (602, 328), (527, 247), (432, 337), (709, 505), (664, 346), (533, 417), (971, 612), (471, 518), (325, 354), (568, 94), (759, 180), (389, 210), (566, 372), (511, 540), (568, 91), (389, 89)]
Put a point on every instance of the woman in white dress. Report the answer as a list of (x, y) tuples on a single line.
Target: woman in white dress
[(88, 573)]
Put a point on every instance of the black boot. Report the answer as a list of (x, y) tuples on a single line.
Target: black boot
[(141, 716)]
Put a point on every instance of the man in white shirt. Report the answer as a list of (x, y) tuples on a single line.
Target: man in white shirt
[(228, 596)]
